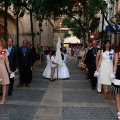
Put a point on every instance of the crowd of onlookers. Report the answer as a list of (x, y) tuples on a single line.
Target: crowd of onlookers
[(101, 63), (24, 59)]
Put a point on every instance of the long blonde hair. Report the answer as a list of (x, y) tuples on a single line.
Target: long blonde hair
[(3, 43)]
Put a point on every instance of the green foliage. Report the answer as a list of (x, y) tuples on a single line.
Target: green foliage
[(67, 35), (56, 29), (95, 7), (73, 25), (56, 8)]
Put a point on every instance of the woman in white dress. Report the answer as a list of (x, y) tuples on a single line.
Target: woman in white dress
[(47, 71), (106, 68)]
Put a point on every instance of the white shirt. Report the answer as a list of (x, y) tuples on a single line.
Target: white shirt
[(52, 60), (9, 49)]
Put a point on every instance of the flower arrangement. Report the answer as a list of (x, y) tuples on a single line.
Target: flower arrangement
[(2, 52)]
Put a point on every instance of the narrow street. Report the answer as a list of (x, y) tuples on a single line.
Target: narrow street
[(70, 99)]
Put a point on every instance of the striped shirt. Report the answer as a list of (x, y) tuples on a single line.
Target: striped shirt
[(118, 59)]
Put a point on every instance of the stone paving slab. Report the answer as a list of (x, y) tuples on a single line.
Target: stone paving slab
[(17, 112), (47, 118), (54, 95), (77, 77), (37, 76), (27, 95), (76, 89), (84, 104), (87, 113), (82, 96), (38, 84), (84, 85), (71, 80), (48, 111)]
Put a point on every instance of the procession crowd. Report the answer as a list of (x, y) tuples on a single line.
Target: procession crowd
[(23, 59), (101, 64)]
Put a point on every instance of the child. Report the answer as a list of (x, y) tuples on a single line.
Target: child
[(53, 65)]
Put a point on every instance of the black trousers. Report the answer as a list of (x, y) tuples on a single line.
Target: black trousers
[(10, 89), (25, 75), (30, 79), (93, 79)]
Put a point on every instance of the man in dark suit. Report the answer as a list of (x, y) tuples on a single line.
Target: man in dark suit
[(13, 62), (25, 64), (90, 62)]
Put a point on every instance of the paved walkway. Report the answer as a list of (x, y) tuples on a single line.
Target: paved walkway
[(70, 99)]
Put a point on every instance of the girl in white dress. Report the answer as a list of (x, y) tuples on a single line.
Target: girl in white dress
[(106, 67), (63, 72), (47, 71), (65, 56)]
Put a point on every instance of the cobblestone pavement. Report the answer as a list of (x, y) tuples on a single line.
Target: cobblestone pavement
[(70, 99)]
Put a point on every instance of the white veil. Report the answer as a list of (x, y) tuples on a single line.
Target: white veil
[(58, 58)]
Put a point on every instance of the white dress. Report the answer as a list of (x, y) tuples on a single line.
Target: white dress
[(58, 58), (65, 58), (63, 72), (106, 67), (47, 71)]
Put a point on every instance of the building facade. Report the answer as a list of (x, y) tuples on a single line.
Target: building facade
[(25, 29)]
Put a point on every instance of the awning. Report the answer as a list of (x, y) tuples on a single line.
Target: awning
[(111, 28), (72, 39)]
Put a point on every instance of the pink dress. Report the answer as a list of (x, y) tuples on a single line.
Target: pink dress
[(3, 70)]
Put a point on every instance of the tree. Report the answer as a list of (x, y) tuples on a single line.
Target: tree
[(72, 24), (85, 9), (29, 6), (18, 12)]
